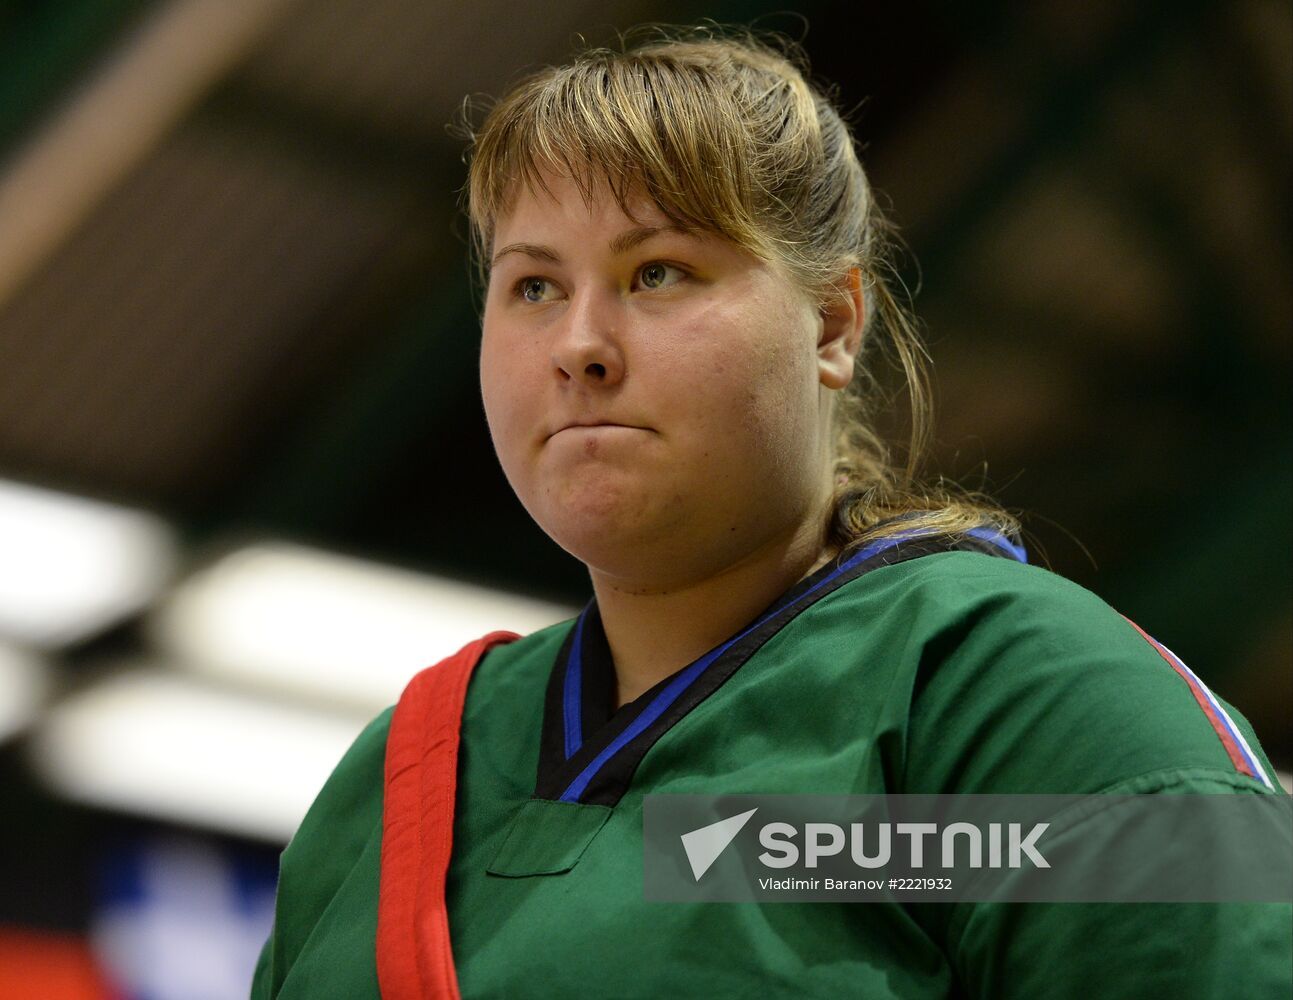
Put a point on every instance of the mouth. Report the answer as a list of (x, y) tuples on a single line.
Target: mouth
[(595, 426)]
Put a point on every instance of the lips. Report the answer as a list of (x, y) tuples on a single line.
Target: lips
[(574, 425)]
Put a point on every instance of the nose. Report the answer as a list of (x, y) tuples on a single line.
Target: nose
[(586, 347)]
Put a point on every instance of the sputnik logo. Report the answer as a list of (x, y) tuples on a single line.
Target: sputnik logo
[(703, 846)]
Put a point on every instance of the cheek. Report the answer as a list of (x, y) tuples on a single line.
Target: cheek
[(745, 417), (780, 402), (502, 392), (765, 380)]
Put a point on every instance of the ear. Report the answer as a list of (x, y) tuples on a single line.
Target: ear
[(841, 333)]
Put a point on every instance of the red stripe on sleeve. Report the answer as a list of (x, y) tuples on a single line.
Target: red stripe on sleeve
[(1223, 732)]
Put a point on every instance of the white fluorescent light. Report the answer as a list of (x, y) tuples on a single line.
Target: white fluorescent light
[(171, 747), (326, 625), (24, 683), (71, 566)]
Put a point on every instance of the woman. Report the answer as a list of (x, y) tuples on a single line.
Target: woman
[(683, 265)]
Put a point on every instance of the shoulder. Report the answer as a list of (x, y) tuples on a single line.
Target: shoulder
[(946, 590), (973, 581), (356, 782), (512, 676), (1021, 680), (345, 814), (321, 871), (537, 647), (328, 873), (963, 605), (950, 614), (363, 756)]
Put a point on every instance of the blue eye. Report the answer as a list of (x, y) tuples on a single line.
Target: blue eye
[(657, 275), (534, 289)]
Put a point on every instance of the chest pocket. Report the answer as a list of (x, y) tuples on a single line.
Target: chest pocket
[(547, 837)]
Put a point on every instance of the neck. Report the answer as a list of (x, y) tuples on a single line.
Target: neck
[(654, 632)]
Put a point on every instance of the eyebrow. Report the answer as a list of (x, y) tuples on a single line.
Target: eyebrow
[(622, 243)]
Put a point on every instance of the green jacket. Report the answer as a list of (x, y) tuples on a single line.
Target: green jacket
[(919, 670)]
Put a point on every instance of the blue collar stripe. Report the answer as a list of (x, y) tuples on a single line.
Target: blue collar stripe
[(1000, 541), (573, 691), (680, 683)]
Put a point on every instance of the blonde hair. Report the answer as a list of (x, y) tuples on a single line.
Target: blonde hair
[(723, 131)]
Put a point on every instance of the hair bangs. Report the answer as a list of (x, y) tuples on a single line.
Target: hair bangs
[(621, 126)]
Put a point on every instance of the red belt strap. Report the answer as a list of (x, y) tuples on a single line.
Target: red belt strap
[(414, 960)]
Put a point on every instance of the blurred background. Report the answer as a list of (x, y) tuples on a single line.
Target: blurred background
[(246, 487)]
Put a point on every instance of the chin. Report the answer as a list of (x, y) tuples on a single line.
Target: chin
[(607, 532), (598, 502), (591, 534)]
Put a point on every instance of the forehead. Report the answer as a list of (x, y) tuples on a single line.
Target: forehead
[(561, 199)]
